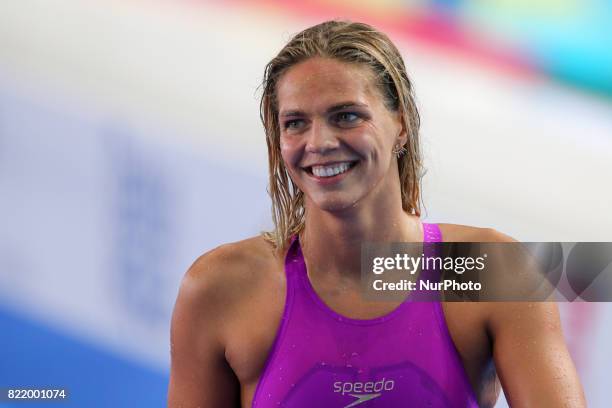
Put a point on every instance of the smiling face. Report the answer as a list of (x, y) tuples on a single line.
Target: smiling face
[(337, 135)]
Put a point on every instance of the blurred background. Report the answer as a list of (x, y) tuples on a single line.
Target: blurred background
[(130, 143)]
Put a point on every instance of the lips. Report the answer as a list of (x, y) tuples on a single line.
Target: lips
[(330, 171)]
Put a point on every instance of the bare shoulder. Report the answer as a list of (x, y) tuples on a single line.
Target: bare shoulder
[(230, 267), (467, 233), (213, 289), (504, 314), (482, 312), (210, 297)]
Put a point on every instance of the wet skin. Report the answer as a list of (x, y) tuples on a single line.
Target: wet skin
[(231, 300)]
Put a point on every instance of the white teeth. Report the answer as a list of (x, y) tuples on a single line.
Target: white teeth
[(329, 171)]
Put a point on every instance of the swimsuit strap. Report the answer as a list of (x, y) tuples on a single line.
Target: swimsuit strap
[(431, 233)]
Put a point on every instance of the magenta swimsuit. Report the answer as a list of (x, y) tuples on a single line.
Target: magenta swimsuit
[(321, 359)]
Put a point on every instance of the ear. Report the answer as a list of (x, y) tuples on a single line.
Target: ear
[(402, 135)]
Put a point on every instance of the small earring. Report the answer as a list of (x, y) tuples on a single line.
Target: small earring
[(399, 151)]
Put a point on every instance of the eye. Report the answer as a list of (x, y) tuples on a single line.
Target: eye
[(293, 124), (346, 118)]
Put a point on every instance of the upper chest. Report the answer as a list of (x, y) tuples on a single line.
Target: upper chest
[(254, 326)]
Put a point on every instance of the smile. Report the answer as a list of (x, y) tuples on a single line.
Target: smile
[(331, 170)]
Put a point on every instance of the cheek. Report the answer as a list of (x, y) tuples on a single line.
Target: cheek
[(290, 153), (370, 145), (286, 148)]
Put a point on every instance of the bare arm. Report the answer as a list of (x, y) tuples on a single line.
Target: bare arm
[(529, 351), (531, 357), (200, 375)]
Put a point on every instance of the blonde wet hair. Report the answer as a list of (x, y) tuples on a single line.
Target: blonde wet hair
[(350, 42)]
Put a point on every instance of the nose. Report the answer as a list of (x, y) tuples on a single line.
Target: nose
[(321, 138)]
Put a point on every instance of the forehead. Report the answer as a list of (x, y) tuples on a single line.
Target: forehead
[(319, 82)]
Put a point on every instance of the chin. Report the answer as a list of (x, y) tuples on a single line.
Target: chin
[(334, 204)]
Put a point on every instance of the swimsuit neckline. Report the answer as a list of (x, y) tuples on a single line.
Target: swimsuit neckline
[(428, 236)]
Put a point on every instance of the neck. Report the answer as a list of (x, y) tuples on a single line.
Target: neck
[(331, 240)]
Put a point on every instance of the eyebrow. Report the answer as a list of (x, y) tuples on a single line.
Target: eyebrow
[(331, 109)]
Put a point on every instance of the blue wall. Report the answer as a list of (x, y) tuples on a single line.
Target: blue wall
[(34, 355)]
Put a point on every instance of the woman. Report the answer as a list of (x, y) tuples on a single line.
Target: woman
[(278, 320)]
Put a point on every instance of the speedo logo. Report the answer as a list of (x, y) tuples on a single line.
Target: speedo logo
[(363, 391)]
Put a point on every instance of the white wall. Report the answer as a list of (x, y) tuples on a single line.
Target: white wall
[(94, 95)]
